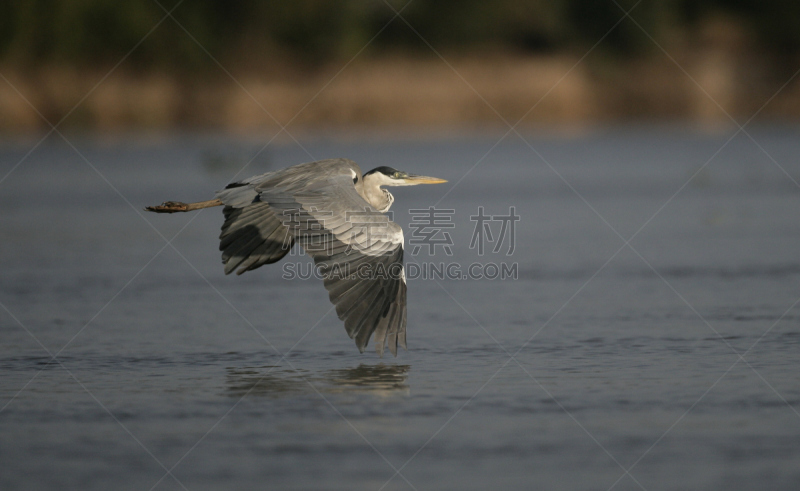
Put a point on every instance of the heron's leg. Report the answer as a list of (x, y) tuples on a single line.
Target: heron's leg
[(176, 206)]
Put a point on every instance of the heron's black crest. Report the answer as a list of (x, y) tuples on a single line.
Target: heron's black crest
[(385, 170), (235, 185)]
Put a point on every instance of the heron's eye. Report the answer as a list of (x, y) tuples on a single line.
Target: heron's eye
[(396, 175)]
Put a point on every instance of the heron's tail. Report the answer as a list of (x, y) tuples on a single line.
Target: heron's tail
[(177, 206)]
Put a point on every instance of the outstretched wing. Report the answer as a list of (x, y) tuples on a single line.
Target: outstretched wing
[(252, 234), (358, 250)]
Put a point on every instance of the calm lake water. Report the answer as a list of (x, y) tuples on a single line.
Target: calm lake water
[(669, 363)]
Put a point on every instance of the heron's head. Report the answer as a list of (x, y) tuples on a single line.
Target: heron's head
[(387, 176)]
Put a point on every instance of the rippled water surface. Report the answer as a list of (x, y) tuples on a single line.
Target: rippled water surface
[(671, 361)]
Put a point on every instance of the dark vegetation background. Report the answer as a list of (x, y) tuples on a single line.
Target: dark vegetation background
[(740, 51)]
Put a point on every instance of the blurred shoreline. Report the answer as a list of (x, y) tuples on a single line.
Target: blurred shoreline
[(463, 91)]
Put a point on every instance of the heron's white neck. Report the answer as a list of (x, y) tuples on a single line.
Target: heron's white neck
[(377, 197)]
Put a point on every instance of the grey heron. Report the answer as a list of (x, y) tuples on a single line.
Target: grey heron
[(337, 215)]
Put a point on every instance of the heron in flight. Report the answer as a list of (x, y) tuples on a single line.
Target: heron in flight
[(337, 215)]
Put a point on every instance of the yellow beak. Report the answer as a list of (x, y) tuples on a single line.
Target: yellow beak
[(423, 179)]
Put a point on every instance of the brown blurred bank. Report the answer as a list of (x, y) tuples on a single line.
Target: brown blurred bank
[(542, 63)]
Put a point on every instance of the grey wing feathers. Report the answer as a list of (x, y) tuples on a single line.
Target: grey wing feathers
[(252, 237), (252, 234), (374, 302), (314, 204)]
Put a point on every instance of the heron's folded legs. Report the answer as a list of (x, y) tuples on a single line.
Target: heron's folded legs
[(176, 206)]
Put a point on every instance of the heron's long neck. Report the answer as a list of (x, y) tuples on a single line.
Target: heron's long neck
[(378, 198)]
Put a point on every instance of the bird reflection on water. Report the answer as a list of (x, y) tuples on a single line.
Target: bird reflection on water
[(380, 379)]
